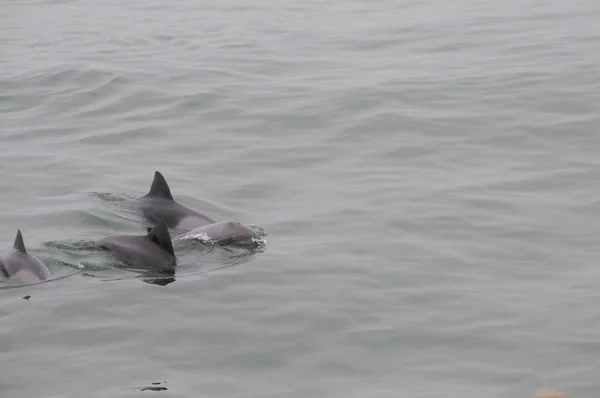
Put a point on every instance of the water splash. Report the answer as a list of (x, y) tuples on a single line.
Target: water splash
[(201, 237)]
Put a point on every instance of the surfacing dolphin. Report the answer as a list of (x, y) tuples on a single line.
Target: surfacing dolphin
[(153, 251), (227, 232), (159, 205), (22, 267)]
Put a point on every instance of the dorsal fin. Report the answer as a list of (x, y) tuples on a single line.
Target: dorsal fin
[(19, 244), (160, 188), (160, 236)]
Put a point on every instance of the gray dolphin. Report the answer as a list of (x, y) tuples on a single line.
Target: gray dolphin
[(226, 232), (159, 205), (153, 251), (22, 267)]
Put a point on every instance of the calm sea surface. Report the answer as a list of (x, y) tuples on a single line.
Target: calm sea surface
[(427, 172)]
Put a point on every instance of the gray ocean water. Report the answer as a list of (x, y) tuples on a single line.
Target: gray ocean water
[(426, 172)]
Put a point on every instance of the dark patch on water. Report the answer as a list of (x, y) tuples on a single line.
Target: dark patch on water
[(154, 388)]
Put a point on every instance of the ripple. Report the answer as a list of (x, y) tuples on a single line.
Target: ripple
[(8, 285)]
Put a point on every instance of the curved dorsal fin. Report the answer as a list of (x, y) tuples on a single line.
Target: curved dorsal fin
[(19, 244), (160, 188), (160, 236)]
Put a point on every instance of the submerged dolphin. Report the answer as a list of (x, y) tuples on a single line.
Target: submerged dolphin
[(226, 232), (159, 205), (22, 267), (153, 251)]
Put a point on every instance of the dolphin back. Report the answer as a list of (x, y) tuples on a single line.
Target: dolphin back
[(227, 231), (151, 251), (159, 205), (22, 267)]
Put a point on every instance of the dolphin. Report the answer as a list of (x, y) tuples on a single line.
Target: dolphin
[(159, 205), (153, 251), (226, 232), (22, 267)]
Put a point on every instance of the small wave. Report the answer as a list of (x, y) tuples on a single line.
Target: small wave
[(74, 246), (59, 78), (259, 230), (8, 285), (111, 197)]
